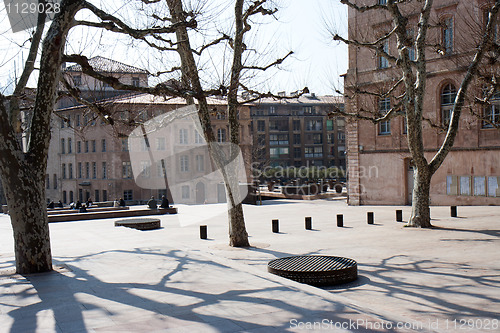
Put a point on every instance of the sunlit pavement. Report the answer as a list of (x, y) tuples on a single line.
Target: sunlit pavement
[(116, 279)]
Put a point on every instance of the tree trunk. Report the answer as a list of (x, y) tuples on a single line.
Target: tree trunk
[(238, 236), (28, 213), (420, 211)]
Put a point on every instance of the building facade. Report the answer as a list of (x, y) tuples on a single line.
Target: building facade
[(298, 132), (380, 168)]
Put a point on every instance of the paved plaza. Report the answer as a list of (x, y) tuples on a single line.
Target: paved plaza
[(116, 279)]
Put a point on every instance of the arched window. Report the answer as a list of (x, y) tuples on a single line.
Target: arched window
[(448, 94)]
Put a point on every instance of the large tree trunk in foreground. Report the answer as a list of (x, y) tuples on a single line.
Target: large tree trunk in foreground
[(420, 212), (238, 236), (28, 213)]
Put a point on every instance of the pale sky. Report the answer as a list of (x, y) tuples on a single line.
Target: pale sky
[(301, 27)]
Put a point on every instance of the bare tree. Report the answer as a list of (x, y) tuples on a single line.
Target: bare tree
[(406, 83)]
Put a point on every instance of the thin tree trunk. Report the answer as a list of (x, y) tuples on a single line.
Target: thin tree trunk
[(420, 214)]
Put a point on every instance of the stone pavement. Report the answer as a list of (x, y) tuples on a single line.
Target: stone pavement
[(115, 279)]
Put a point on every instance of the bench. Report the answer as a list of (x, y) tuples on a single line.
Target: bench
[(90, 210), (110, 214)]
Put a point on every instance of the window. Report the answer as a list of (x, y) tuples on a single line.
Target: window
[(198, 138), (70, 171), (78, 147), (77, 80), (63, 171), (62, 123), (465, 185), (382, 61), (278, 125), (200, 163), (447, 35), (128, 195), (278, 152), (494, 186), (317, 138), (183, 136), (126, 170), (405, 125), (54, 178), (77, 120), (184, 163), (330, 137), (160, 143), (309, 110), (80, 173), (96, 196), (94, 170), (63, 149), (261, 125), (47, 181), (313, 152), (448, 95), (86, 146), (382, 2), (297, 152), (261, 139), (221, 135), (411, 50), (272, 109), (296, 125), (93, 146), (185, 192), (314, 125), (479, 186), (329, 125), (104, 170), (384, 105), (146, 169), (492, 112), (341, 137), (70, 146), (71, 196), (135, 81), (103, 145), (65, 197), (296, 139), (278, 139), (125, 144)]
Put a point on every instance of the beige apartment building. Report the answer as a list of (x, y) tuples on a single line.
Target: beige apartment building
[(379, 162)]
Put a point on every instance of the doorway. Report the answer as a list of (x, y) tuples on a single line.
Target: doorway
[(409, 171), (200, 193)]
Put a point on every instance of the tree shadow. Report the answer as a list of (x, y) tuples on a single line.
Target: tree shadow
[(173, 293)]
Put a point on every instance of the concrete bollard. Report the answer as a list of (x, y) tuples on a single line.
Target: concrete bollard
[(453, 211), (399, 215), (369, 217), (276, 226), (308, 223), (340, 220), (203, 232)]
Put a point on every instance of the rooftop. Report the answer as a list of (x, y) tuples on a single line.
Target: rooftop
[(105, 65)]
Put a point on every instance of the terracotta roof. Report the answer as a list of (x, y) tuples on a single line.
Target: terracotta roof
[(101, 64)]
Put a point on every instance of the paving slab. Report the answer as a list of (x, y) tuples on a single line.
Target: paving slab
[(113, 279)]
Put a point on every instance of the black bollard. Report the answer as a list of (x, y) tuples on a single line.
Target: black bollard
[(369, 216), (340, 220), (203, 232), (399, 215), (276, 226), (308, 223), (453, 211)]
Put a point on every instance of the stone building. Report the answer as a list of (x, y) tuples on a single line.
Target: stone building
[(101, 161), (298, 132), (379, 162)]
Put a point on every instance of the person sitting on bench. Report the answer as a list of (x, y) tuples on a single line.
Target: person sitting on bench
[(122, 202), (51, 204), (152, 204), (164, 202)]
